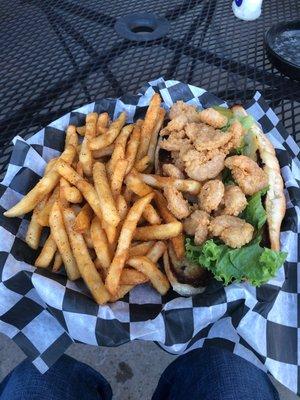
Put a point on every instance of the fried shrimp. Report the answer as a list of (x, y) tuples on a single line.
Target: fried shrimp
[(181, 108), (175, 141), (208, 170), (211, 195), (176, 124), (213, 118), (173, 171), (237, 133), (233, 231), (206, 137), (197, 225), (246, 172), (176, 203), (234, 200)]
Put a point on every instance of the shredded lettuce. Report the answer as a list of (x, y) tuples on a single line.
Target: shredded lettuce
[(224, 111), (255, 213), (252, 262)]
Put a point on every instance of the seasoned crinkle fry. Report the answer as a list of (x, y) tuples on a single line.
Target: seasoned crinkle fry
[(178, 241), (109, 137), (121, 253), (184, 185), (107, 203), (158, 232), (34, 230), (83, 219), (85, 264), (149, 125), (100, 243), (59, 234), (91, 125), (87, 190), (42, 188), (150, 269), (132, 146), (47, 253), (154, 136), (119, 147)]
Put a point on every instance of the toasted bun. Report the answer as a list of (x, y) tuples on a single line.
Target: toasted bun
[(183, 289), (275, 199)]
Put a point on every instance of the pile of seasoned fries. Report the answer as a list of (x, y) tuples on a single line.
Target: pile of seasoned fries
[(107, 222)]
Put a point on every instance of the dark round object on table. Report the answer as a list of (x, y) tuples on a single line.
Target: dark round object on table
[(283, 47)]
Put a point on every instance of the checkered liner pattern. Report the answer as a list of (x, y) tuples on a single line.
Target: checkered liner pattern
[(44, 312)]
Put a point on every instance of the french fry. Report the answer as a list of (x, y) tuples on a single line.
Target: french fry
[(59, 234), (34, 230), (43, 215), (83, 219), (118, 177), (149, 125), (178, 241), (136, 185), (85, 264), (142, 164), (50, 165), (184, 185), (133, 145), (62, 200), (151, 216), (120, 145), (156, 251), (70, 193), (88, 239), (87, 190), (154, 136), (91, 125), (121, 253), (158, 232), (109, 137), (108, 206), (128, 194), (121, 291), (122, 206), (102, 123), (150, 269), (58, 261), (141, 249), (80, 130), (132, 277), (111, 233), (79, 169), (100, 243), (71, 136), (106, 151), (86, 157), (47, 253), (42, 188)]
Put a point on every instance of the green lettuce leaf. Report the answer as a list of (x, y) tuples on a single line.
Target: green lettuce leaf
[(255, 213), (252, 262), (224, 111)]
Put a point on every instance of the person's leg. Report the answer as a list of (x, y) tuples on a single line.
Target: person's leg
[(213, 373), (67, 379)]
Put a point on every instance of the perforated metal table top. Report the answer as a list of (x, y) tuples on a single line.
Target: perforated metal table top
[(57, 55)]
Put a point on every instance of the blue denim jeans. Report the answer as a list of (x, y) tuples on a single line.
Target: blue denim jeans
[(205, 374)]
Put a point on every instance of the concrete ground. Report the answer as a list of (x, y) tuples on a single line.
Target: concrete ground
[(125, 367)]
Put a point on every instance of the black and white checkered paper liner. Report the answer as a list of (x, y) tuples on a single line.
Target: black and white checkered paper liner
[(44, 312)]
